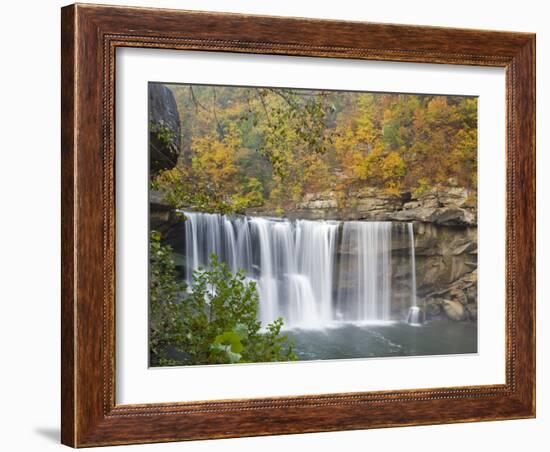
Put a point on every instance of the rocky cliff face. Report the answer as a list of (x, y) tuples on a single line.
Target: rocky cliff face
[(448, 206), (164, 128), (445, 231), (446, 270), (445, 234)]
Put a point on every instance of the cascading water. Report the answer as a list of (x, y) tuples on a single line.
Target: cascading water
[(311, 273), (364, 292), (415, 316), (316, 251), (413, 264)]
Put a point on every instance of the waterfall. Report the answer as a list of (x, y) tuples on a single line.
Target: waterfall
[(192, 257), (413, 264), (316, 251), (415, 316), (311, 273), (365, 275)]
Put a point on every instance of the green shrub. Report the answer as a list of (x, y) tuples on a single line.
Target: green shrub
[(213, 323)]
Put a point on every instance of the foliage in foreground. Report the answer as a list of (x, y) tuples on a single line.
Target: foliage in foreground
[(214, 323)]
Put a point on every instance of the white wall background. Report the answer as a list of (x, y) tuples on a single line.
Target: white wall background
[(29, 230)]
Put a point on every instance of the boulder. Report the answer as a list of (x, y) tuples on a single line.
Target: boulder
[(471, 308), (433, 308), (458, 295), (423, 214), (454, 310), (453, 216), (471, 294), (164, 128), (453, 197)]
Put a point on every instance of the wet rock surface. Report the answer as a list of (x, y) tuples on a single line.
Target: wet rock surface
[(445, 243), (445, 232), (457, 302)]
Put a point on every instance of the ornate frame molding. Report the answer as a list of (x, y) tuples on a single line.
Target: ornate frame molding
[(90, 37)]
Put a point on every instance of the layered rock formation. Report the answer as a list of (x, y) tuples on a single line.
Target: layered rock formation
[(449, 206), (445, 231), (446, 271), (164, 128)]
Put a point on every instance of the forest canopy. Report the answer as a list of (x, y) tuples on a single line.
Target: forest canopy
[(245, 148)]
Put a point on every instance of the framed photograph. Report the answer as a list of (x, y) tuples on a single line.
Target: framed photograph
[(280, 225)]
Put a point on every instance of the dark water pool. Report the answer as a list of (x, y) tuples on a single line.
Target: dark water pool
[(384, 340)]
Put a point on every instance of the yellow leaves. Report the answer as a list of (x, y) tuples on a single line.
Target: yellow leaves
[(249, 194), (214, 176), (393, 167), (293, 142), (352, 164), (214, 159), (422, 187), (438, 109), (169, 176), (368, 167), (393, 188), (361, 151), (463, 157), (344, 139), (465, 143), (365, 131), (386, 168), (352, 145), (473, 178)]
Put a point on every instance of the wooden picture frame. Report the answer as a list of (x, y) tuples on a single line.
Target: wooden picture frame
[(90, 36)]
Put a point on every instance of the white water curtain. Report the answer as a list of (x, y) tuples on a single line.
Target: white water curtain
[(311, 273)]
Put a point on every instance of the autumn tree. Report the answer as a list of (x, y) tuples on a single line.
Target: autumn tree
[(248, 148)]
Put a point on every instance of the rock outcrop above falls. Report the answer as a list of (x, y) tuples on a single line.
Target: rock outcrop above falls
[(449, 206)]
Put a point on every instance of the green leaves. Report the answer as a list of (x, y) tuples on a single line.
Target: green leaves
[(241, 331), (215, 322), (229, 343), (231, 339), (227, 351), (165, 326), (162, 131)]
